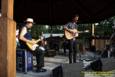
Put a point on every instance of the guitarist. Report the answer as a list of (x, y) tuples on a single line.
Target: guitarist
[(26, 37), (72, 43)]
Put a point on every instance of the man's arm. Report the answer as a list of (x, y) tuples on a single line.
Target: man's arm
[(70, 30), (21, 37), (66, 28)]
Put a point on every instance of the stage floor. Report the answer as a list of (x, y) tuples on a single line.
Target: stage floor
[(50, 64), (53, 62)]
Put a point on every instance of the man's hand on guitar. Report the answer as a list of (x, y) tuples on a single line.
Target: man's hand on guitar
[(32, 42), (71, 33), (74, 33)]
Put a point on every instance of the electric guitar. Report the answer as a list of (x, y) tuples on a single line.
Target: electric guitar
[(72, 33), (33, 46)]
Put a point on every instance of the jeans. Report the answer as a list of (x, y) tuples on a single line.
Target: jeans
[(72, 46), (39, 53)]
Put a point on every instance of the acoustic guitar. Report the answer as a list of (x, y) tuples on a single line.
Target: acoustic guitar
[(72, 33)]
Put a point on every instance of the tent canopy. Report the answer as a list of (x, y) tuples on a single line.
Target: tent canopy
[(60, 11)]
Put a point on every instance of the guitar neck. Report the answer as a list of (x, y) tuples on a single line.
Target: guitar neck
[(86, 31), (38, 40), (81, 32)]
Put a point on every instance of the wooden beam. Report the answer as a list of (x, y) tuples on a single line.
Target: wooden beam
[(7, 8), (7, 40), (93, 33)]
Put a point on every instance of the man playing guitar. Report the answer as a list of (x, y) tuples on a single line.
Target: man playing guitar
[(26, 42), (71, 32)]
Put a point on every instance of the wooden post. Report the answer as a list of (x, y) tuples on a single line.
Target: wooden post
[(93, 31), (7, 40)]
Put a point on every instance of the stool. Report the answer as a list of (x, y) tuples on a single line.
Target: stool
[(24, 62)]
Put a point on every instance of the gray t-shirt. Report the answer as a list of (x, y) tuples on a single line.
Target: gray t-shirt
[(71, 25)]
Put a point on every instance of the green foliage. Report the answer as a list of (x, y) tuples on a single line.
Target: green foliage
[(37, 29), (57, 29), (104, 28)]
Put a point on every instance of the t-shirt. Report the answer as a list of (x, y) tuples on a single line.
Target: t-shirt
[(27, 36), (71, 25)]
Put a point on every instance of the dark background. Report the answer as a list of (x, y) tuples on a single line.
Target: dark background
[(60, 11)]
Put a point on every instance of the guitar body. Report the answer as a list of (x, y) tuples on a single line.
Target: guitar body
[(69, 35), (32, 46)]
